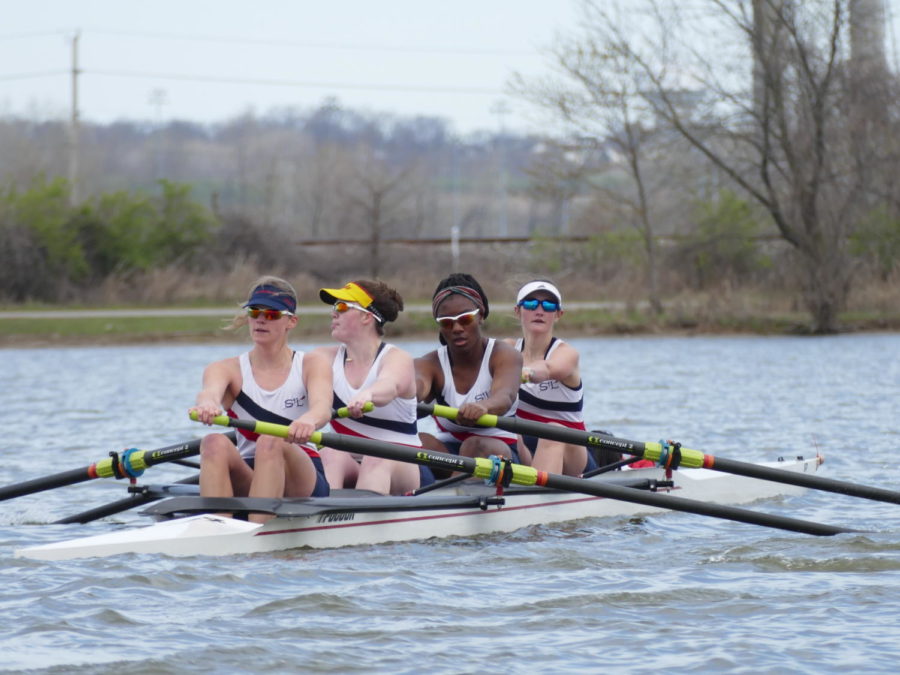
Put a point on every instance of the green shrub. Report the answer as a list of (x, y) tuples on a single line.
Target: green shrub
[(49, 248), (725, 242), (877, 239)]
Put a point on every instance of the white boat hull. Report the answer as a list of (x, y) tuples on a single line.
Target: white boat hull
[(208, 534)]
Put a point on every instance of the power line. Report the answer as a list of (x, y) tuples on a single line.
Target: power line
[(44, 33), (231, 40), (424, 88), (27, 76)]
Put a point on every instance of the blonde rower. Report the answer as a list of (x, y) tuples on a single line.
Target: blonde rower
[(272, 383)]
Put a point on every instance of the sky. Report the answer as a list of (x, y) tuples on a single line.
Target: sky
[(211, 60)]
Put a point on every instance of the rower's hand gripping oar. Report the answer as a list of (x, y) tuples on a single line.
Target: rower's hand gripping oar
[(661, 453), (130, 463), (492, 469)]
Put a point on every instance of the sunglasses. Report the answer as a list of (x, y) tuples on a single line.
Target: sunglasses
[(340, 307), (464, 319), (268, 314), (546, 305)]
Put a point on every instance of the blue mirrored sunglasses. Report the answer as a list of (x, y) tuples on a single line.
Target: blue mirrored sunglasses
[(546, 305)]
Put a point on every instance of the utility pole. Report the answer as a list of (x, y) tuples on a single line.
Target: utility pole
[(74, 131), (158, 98)]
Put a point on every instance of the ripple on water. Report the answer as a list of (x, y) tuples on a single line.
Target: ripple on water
[(672, 592)]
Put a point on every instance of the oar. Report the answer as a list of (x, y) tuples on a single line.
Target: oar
[(130, 463), (660, 453), (120, 505), (105, 468), (141, 499), (481, 467)]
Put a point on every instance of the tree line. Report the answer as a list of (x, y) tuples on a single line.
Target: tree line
[(673, 172)]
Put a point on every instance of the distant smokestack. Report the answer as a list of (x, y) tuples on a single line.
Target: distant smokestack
[(769, 18), (867, 31)]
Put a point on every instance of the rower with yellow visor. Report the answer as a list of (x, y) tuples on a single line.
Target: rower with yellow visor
[(365, 369)]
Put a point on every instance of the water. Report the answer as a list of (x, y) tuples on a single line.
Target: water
[(678, 592)]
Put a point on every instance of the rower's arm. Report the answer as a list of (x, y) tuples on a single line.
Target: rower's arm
[(562, 365), (318, 381), (396, 377), (428, 374), (216, 394), (506, 371)]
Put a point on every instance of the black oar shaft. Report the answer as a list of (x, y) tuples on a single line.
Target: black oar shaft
[(806, 480), (46, 483), (527, 476), (143, 458), (666, 501), (576, 437), (596, 488), (118, 506)]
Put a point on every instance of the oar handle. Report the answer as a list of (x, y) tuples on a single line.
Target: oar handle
[(267, 428), (272, 429), (345, 412), (449, 413)]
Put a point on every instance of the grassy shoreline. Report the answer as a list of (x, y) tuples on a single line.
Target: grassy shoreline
[(35, 331)]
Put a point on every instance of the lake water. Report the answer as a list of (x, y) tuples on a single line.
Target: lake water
[(677, 591)]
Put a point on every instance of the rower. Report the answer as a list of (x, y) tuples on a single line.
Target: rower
[(471, 372), (367, 369), (551, 390), (269, 383)]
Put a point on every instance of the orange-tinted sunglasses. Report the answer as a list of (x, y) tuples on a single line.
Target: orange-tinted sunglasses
[(267, 314), (340, 307), (464, 319)]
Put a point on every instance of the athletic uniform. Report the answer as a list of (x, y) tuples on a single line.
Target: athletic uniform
[(551, 401), (280, 406), (451, 434), (395, 422)]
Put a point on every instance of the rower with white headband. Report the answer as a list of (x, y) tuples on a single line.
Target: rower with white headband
[(551, 390)]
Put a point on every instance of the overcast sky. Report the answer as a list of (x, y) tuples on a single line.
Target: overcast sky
[(209, 60)]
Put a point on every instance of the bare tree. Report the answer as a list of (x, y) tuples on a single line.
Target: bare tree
[(601, 101), (779, 130), (382, 197)]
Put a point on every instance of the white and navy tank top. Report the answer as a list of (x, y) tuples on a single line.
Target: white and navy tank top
[(280, 406), (394, 422), (478, 392), (551, 400)]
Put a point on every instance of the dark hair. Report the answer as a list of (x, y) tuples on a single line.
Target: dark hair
[(385, 299), (466, 280)]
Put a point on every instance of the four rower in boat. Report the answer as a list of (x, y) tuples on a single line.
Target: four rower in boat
[(473, 373), (367, 369), (551, 390), (271, 383)]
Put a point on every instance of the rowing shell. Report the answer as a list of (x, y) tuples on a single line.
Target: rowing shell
[(353, 517)]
